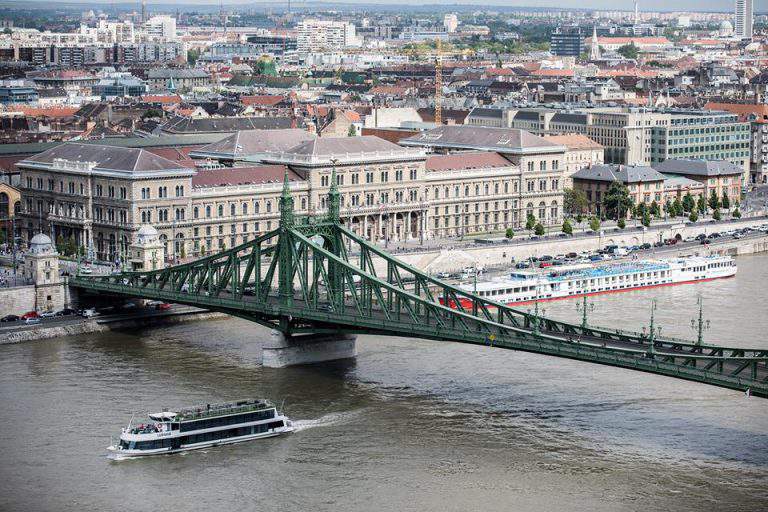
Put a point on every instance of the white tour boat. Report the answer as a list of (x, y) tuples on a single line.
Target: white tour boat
[(562, 282), (201, 427)]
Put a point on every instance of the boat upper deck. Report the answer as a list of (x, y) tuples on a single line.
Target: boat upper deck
[(225, 409)]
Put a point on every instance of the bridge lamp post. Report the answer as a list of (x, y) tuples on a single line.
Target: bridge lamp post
[(700, 325), (584, 307), (536, 317), (652, 331)]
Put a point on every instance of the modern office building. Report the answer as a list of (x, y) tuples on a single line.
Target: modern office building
[(743, 25), (325, 36), (567, 41)]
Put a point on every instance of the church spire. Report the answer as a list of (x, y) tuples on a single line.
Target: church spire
[(594, 50)]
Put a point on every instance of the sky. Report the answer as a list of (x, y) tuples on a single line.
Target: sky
[(666, 5)]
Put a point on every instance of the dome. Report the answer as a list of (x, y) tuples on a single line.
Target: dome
[(146, 234), (41, 244), (726, 28)]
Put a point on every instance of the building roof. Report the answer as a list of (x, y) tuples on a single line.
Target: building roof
[(621, 173), (105, 159), (699, 167), (175, 73), (332, 146), (574, 141), (264, 100), (230, 176), (324, 151), (246, 143), (180, 124), (466, 160), (673, 182), (502, 140)]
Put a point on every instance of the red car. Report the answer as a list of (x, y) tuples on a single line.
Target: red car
[(163, 306), (30, 314)]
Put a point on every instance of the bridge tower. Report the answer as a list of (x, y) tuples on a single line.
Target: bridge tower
[(285, 281)]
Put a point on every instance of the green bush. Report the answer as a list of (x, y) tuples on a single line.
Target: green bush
[(509, 233), (538, 229), (621, 224)]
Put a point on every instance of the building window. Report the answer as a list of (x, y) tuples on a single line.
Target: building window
[(208, 212), (220, 210)]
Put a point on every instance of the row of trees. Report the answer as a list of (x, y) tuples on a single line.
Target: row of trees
[(617, 204)]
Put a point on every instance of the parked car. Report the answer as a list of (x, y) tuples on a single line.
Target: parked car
[(66, 312), (706, 241), (32, 320), (522, 265), (646, 245), (47, 314), (10, 318), (30, 314), (88, 313)]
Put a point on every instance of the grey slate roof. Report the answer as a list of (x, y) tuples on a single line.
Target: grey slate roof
[(502, 140), (569, 118), (131, 161), (622, 173), (179, 124), (494, 113), (699, 167), (246, 143), (167, 73), (331, 146)]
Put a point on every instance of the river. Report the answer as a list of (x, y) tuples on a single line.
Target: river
[(410, 425)]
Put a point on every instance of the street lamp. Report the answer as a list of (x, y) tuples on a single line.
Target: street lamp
[(584, 307), (536, 320), (700, 325)]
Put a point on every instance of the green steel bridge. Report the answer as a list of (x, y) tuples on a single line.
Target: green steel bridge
[(313, 275)]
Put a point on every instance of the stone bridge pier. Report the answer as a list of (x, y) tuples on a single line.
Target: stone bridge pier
[(282, 351)]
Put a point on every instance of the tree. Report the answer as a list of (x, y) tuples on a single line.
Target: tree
[(594, 224), (736, 213), (153, 112), (655, 210), (669, 209), (538, 229), (701, 204), (192, 55), (679, 207), (621, 224), (716, 214), (574, 201), (352, 131), (509, 233), (60, 244), (530, 221), (265, 66), (579, 218), (567, 228), (616, 201), (70, 248), (646, 220), (628, 51), (688, 203), (726, 203), (714, 201), (694, 216), (640, 210)]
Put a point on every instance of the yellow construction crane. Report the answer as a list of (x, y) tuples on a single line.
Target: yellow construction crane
[(438, 83)]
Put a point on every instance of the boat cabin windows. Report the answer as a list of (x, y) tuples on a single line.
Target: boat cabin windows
[(227, 420)]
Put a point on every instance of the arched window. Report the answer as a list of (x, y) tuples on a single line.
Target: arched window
[(269, 206), (553, 210), (529, 209), (245, 208), (221, 210), (208, 211), (196, 212), (232, 211), (542, 210), (256, 206)]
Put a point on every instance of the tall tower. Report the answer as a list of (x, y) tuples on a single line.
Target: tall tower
[(438, 83), (743, 25), (637, 14), (594, 47), (143, 11)]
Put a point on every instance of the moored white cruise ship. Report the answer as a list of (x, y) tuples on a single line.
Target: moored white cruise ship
[(526, 286), (201, 427)]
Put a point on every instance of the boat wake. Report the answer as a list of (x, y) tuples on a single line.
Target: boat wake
[(327, 420)]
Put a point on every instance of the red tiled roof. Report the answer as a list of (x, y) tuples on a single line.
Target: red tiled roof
[(630, 40), (243, 176), (469, 160), (574, 141), (167, 99), (43, 111), (743, 110)]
